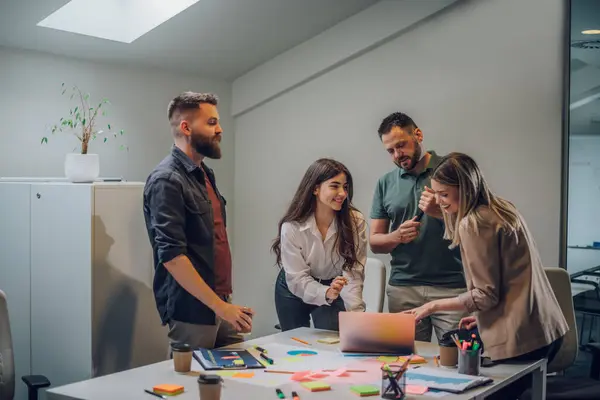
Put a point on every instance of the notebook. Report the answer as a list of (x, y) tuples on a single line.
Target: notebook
[(447, 381), (226, 359)]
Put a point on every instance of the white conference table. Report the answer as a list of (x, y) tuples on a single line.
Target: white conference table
[(131, 384)]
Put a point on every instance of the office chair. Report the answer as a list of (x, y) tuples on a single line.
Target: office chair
[(560, 387), (7, 366)]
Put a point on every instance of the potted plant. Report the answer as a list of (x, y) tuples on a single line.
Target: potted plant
[(82, 121)]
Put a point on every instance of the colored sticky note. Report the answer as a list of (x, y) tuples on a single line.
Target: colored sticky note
[(301, 376), (365, 390), (230, 358), (316, 386), (226, 373), (414, 389), (244, 375), (318, 375), (168, 389), (388, 359), (331, 340), (293, 359), (414, 360), (339, 372)]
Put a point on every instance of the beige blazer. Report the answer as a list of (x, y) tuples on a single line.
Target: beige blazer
[(508, 290)]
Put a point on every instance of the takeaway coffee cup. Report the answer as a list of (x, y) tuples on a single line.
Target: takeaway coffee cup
[(209, 387), (182, 357), (448, 354)]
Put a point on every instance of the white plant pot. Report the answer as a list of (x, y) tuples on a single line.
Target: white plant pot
[(80, 168)]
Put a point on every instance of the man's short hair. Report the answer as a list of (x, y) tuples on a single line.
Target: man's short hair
[(188, 101), (396, 119)]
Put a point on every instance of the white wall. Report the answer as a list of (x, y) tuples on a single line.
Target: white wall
[(31, 101), (584, 191), (483, 77)]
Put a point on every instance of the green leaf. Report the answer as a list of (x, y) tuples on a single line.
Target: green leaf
[(87, 96), (121, 132), (109, 127), (44, 140), (60, 120), (64, 90), (73, 95), (62, 84), (105, 139), (83, 122), (76, 108)]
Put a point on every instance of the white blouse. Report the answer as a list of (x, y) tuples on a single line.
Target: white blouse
[(306, 256)]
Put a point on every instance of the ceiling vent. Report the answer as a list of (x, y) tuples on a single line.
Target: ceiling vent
[(586, 44)]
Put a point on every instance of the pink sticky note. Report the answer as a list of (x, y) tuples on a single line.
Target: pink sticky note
[(414, 389), (318, 375), (340, 372), (301, 376)]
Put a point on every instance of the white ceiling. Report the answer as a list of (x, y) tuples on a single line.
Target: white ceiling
[(585, 69), (213, 38)]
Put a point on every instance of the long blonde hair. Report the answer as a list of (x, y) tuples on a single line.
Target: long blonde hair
[(460, 170)]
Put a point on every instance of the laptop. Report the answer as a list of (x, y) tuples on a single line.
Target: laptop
[(378, 333)]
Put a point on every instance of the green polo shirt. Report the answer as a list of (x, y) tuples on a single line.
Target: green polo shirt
[(426, 260)]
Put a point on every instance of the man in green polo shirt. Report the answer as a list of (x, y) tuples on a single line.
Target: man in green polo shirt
[(423, 268)]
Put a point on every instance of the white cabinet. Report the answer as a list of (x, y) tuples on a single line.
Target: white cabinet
[(76, 265)]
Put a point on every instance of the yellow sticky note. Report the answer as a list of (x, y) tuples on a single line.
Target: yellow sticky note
[(293, 359), (331, 340), (226, 373), (388, 359), (414, 360)]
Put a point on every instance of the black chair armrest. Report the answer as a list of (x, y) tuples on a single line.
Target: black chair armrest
[(35, 383), (594, 348)]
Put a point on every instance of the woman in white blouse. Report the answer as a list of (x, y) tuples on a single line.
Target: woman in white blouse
[(321, 250)]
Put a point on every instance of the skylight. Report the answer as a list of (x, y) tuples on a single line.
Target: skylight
[(118, 20)]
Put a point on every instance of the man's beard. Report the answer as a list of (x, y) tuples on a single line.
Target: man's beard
[(208, 147), (414, 160)]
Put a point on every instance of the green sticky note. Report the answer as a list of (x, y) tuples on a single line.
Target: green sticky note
[(316, 386), (365, 390)]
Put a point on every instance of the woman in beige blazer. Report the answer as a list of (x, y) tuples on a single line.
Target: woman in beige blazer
[(514, 307)]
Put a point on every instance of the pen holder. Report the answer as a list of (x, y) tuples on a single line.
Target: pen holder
[(393, 382), (469, 362)]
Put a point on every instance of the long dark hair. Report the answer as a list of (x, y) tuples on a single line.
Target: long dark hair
[(304, 204)]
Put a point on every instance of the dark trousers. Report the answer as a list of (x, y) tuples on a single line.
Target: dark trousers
[(294, 313), (516, 389)]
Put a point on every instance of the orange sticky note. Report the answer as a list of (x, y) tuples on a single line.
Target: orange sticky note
[(168, 389), (243, 375)]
